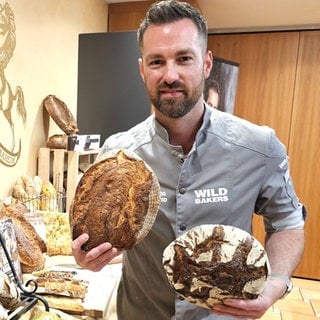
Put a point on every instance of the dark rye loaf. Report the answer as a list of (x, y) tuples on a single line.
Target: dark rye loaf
[(210, 263)]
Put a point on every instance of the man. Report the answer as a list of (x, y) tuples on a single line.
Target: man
[(211, 93), (193, 147)]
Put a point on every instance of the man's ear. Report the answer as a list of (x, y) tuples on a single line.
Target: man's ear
[(141, 68), (208, 63)]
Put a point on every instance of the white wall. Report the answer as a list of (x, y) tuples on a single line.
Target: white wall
[(44, 62)]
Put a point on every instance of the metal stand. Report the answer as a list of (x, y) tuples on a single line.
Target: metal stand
[(27, 295)]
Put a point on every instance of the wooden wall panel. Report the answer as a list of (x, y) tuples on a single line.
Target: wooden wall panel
[(127, 16), (267, 69), (304, 147), (266, 75), (278, 86)]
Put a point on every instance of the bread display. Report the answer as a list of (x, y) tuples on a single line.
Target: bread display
[(57, 141), (67, 304), (61, 114), (116, 200), (58, 233), (8, 238), (30, 245), (35, 193), (28, 190), (61, 283), (210, 263), (48, 197), (9, 294)]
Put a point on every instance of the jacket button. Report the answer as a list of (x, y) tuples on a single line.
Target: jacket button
[(182, 190), (183, 226)]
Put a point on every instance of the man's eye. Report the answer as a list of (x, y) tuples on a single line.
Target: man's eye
[(185, 59), (155, 63)]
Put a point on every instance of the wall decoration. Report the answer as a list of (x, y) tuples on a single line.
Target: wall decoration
[(12, 110), (220, 87)]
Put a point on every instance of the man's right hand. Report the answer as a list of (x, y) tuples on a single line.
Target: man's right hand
[(96, 258)]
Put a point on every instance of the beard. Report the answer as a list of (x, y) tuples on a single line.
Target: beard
[(175, 107)]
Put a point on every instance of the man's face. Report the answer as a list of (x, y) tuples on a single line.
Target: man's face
[(174, 67)]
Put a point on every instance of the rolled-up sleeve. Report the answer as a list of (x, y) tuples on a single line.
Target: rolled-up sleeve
[(277, 201)]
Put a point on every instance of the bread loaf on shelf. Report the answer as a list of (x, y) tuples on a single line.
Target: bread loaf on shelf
[(57, 141), (61, 114)]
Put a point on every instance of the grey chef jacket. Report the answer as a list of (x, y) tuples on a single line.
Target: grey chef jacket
[(235, 168)]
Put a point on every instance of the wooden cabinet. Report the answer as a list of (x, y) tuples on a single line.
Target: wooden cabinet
[(304, 146), (127, 16), (278, 86), (267, 71), (267, 68)]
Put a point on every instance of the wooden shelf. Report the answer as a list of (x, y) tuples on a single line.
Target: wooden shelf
[(56, 165)]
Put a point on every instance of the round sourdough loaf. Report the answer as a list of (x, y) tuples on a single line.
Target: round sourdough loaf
[(210, 263), (116, 200)]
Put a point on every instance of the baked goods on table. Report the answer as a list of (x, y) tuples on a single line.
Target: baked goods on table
[(210, 263), (35, 193), (61, 283), (59, 280), (116, 200), (9, 294), (28, 190), (58, 233), (30, 245)]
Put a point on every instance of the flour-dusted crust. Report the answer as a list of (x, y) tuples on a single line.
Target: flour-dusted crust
[(210, 263), (116, 200)]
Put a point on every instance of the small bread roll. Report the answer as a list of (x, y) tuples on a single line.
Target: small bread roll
[(58, 141)]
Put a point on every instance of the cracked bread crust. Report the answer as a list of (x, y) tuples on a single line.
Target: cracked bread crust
[(116, 200), (210, 263)]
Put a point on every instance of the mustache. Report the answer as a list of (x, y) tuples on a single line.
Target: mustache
[(173, 85)]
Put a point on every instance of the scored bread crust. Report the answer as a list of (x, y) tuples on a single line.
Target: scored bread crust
[(116, 201), (210, 263), (61, 114)]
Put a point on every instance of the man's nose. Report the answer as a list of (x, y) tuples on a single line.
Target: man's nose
[(171, 73)]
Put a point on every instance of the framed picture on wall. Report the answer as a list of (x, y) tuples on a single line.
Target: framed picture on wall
[(221, 86)]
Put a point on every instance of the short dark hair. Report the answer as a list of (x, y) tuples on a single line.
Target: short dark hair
[(169, 11), (210, 84)]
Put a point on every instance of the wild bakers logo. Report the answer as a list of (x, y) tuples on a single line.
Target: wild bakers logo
[(12, 109), (211, 195)]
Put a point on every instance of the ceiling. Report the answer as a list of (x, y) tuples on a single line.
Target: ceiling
[(257, 15)]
